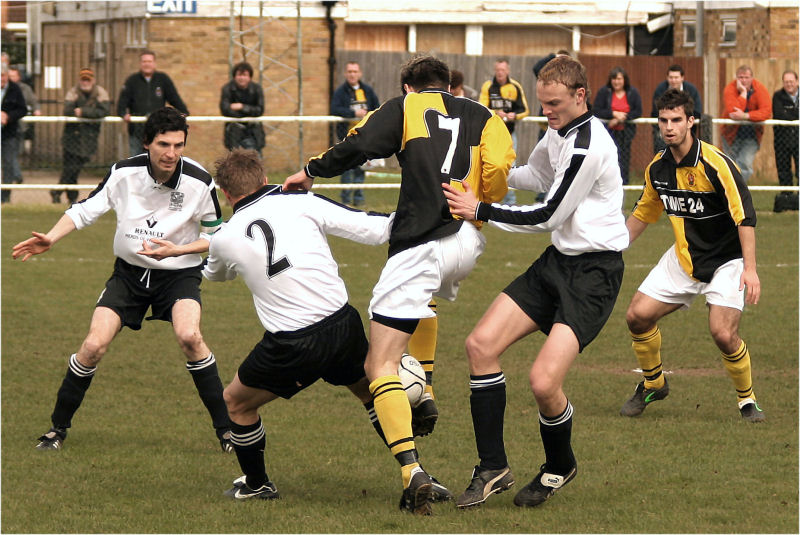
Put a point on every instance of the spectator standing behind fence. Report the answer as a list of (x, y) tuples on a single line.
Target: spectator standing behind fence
[(353, 99), (676, 80), (744, 99), (13, 109), (25, 131), (785, 108), (619, 102), (143, 93), (242, 97), (504, 95), (89, 101)]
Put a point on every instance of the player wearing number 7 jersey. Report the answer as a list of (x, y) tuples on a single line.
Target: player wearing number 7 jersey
[(438, 139)]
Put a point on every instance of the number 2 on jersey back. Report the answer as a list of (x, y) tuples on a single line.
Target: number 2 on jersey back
[(273, 267)]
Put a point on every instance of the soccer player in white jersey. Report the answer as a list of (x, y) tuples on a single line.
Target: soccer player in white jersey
[(568, 292), (160, 194), (277, 242)]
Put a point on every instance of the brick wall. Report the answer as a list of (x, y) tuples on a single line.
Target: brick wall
[(783, 31), (761, 32), (194, 52)]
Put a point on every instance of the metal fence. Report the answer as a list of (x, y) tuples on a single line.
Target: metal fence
[(42, 150)]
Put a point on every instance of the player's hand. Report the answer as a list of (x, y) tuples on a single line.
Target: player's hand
[(126, 117), (741, 88), (164, 250), (236, 106), (298, 181), (462, 203), (39, 244), (752, 286)]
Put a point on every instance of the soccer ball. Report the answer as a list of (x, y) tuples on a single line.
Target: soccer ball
[(413, 378)]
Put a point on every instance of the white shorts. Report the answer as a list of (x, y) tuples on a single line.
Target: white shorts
[(412, 277), (669, 283)]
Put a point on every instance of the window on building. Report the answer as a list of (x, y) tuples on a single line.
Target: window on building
[(100, 40), (689, 30), (728, 31), (136, 33)]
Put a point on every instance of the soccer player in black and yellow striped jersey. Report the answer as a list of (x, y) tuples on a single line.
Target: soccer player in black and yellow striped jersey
[(712, 216), (438, 139)]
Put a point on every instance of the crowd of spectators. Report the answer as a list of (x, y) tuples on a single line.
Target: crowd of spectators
[(618, 103)]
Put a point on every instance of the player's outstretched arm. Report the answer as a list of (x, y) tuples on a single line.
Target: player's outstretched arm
[(298, 181), (168, 249), (41, 243)]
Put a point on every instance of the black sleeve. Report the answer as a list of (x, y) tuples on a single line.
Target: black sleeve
[(380, 136)]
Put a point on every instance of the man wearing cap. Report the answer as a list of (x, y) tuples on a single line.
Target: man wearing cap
[(143, 93), (89, 101)]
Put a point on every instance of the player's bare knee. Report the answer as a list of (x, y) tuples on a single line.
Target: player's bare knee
[(478, 350), (543, 386), (191, 341), (727, 339), (636, 323), (232, 402), (91, 351)]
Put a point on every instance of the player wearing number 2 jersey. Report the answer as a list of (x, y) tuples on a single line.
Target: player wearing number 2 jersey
[(438, 139), (278, 244)]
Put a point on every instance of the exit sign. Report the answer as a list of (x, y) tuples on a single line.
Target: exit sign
[(171, 6)]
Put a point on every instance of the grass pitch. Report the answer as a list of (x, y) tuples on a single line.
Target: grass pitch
[(142, 456)]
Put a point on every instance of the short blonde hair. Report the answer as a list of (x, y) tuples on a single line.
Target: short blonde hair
[(239, 172), (565, 70)]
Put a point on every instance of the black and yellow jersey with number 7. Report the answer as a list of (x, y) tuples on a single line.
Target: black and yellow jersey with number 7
[(438, 138)]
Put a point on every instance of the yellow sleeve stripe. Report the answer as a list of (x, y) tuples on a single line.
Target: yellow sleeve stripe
[(719, 163)]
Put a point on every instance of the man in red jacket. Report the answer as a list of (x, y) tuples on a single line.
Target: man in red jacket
[(744, 99)]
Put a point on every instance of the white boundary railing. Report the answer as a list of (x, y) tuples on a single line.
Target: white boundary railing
[(334, 119)]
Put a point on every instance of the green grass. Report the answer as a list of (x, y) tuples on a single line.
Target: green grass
[(142, 457)]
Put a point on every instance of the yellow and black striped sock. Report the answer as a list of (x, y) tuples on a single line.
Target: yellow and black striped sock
[(422, 345), (738, 367), (647, 347), (394, 414)]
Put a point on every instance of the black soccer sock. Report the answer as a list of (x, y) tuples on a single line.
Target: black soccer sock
[(209, 386), (74, 386), (557, 439), (373, 418), (487, 402), (249, 442)]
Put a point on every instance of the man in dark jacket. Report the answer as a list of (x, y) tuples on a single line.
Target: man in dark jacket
[(143, 93), (13, 109), (675, 80), (784, 107), (352, 99), (241, 97), (90, 101)]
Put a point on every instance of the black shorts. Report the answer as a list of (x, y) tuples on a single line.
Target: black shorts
[(578, 291), (131, 290), (285, 363)]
